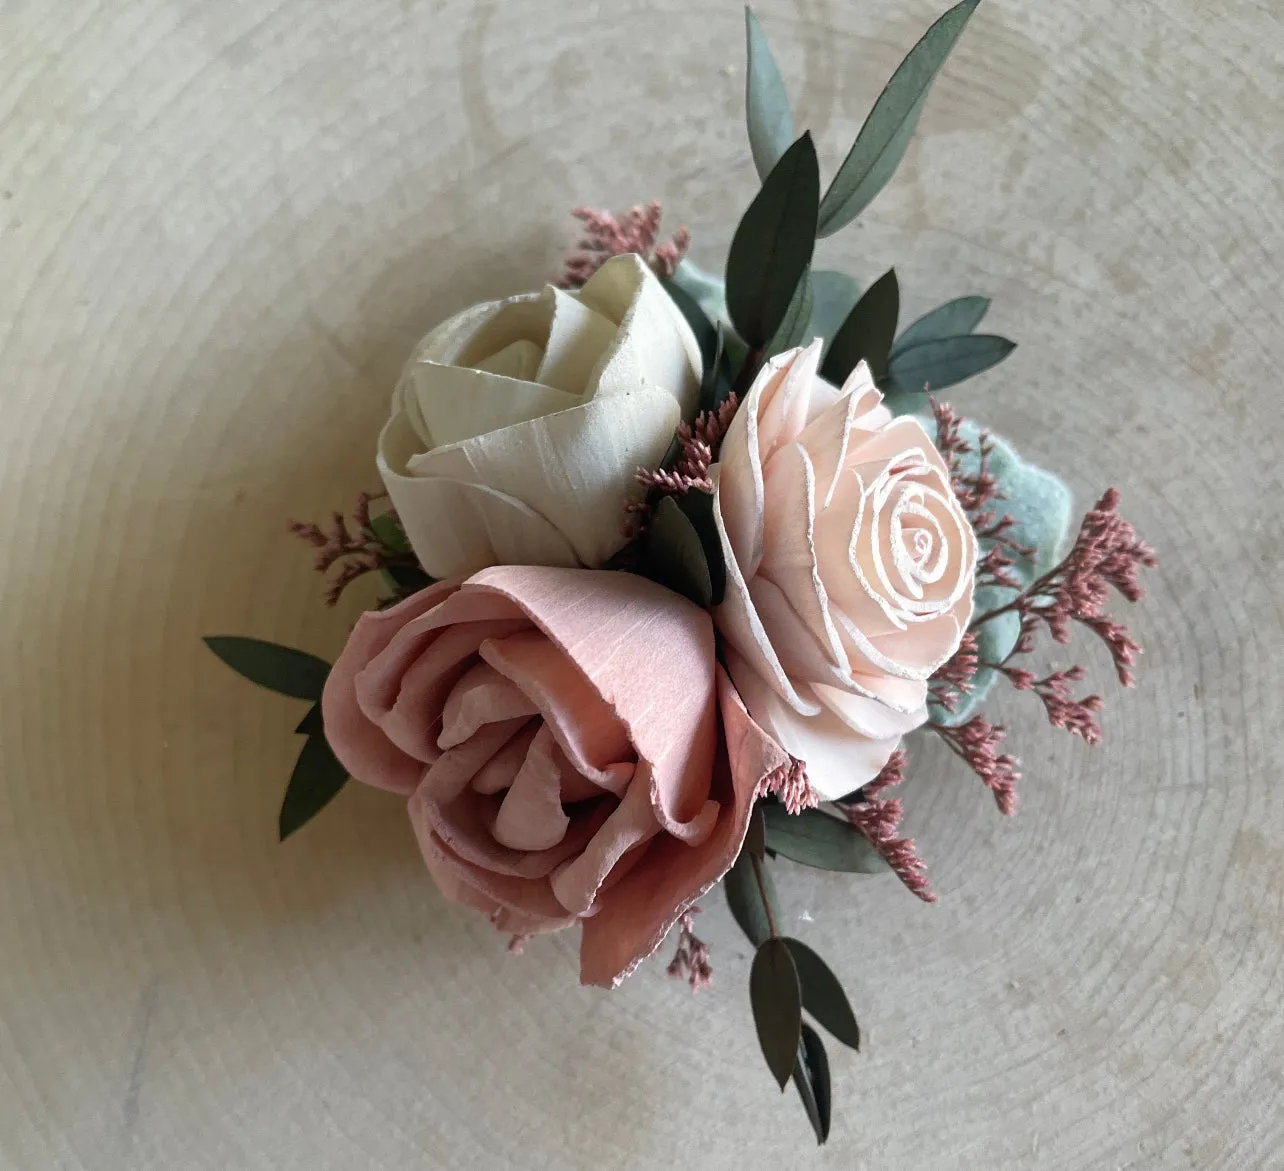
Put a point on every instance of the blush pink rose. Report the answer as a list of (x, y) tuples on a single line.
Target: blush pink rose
[(850, 567), (556, 731)]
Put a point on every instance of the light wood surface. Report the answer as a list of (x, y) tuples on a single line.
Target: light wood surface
[(222, 228)]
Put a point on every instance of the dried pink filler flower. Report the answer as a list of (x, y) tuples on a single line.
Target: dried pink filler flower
[(789, 783), (699, 449), (361, 552), (880, 821), (691, 960), (1107, 552), (605, 236)]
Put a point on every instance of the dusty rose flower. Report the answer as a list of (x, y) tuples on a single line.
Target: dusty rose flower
[(850, 567), (556, 731)]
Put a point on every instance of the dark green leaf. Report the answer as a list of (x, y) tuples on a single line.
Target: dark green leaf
[(696, 318), (278, 668), (771, 124), (823, 995), (833, 295), (390, 533), (698, 508), (406, 579), (716, 382), (776, 998), (949, 320), (311, 724), (756, 834), (816, 839), (868, 332), (948, 360), (793, 329), (751, 896), (673, 555), (882, 140), (773, 244), (811, 1077), (317, 777)]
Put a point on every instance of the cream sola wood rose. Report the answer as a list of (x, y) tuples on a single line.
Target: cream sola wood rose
[(850, 567), (518, 425), (556, 731)]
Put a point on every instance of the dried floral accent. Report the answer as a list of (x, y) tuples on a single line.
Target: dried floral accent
[(691, 960), (606, 235), (517, 944), (1107, 552), (789, 782), (978, 744), (1078, 716), (879, 820), (954, 680), (356, 552), (698, 450)]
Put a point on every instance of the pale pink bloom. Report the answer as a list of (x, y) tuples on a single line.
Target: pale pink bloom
[(556, 731), (850, 567)]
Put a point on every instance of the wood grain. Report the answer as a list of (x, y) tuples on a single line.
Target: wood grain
[(222, 227)]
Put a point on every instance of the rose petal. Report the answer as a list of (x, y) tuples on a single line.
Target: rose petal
[(636, 912), (482, 696), (786, 403), (361, 747), (867, 716), (531, 816)]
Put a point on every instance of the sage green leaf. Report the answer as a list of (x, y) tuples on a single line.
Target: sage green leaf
[(811, 1078), (771, 123), (823, 995), (311, 724), (772, 245), (955, 317), (776, 998), (390, 534), (793, 330), (317, 777), (715, 384), (881, 143), (278, 668), (946, 361), (698, 508), (833, 295), (868, 332), (751, 895), (817, 839), (673, 555)]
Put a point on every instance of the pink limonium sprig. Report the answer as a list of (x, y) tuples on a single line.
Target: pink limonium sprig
[(607, 235), (351, 544), (691, 960), (789, 782), (698, 449), (879, 820), (1106, 552)]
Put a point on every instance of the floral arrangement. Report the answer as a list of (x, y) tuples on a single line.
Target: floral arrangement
[(673, 566)]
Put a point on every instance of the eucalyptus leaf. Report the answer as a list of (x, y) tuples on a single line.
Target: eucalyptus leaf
[(811, 1078), (868, 332), (390, 534), (773, 244), (771, 123), (673, 555), (751, 896), (776, 998), (715, 384), (278, 668), (823, 995), (955, 317), (696, 318), (882, 141), (698, 508), (755, 835), (819, 840), (317, 778), (311, 724), (406, 579), (946, 361), (833, 295), (793, 330)]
